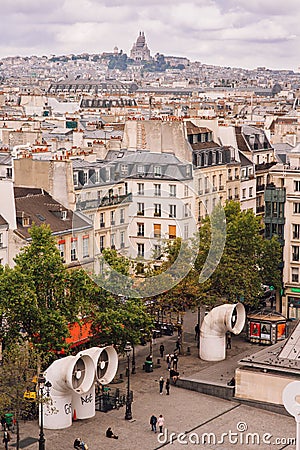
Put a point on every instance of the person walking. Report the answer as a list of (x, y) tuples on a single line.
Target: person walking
[(160, 423), (161, 385), (177, 346), (168, 359), (161, 350), (153, 422), (228, 340), (3, 422), (6, 438), (168, 386), (175, 362)]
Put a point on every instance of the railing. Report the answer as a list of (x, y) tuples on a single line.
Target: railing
[(260, 187), (104, 201), (260, 209)]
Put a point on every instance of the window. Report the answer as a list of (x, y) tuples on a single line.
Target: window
[(73, 249), (141, 188), (296, 231), (122, 239), (141, 229), (124, 169), (141, 170), (172, 231), (188, 171), (157, 190), (101, 242), (85, 247), (140, 250), (99, 195), (85, 178), (157, 171), (229, 174), (214, 182), (102, 220), (75, 178), (157, 209), (295, 275), (187, 210), (229, 194), (295, 252), (186, 190), (112, 242), (220, 181), (236, 193), (172, 211), (186, 231), (250, 191), (61, 248), (157, 230), (141, 209), (107, 177), (122, 215), (9, 172), (297, 185), (296, 208), (243, 193), (157, 251), (112, 218), (236, 174), (97, 176), (172, 190), (200, 189)]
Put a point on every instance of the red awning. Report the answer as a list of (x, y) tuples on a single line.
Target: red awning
[(79, 333)]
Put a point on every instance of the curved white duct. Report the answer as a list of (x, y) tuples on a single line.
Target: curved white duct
[(105, 361), (213, 330), (67, 375)]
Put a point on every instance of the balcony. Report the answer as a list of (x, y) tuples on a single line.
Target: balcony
[(113, 247), (214, 189), (229, 197), (260, 187), (102, 224), (112, 222), (221, 187), (122, 220), (236, 197), (140, 233), (140, 213), (157, 214), (104, 201), (260, 209)]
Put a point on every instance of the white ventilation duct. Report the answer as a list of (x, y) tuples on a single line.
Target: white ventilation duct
[(67, 376), (105, 362), (213, 330)]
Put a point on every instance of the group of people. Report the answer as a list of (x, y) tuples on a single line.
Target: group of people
[(157, 422), (161, 385)]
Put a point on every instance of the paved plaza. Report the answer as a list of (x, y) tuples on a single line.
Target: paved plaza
[(208, 422)]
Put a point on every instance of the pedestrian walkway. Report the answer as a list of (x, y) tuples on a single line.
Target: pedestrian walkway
[(183, 410)]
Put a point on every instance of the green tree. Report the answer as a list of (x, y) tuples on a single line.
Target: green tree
[(20, 368)]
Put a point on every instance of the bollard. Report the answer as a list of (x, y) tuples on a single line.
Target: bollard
[(188, 351), (158, 361)]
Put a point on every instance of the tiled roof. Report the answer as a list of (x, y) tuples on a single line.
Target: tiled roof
[(40, 208)]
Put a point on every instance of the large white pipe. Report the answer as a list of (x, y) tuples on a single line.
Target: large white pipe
[(67, 375), (214, 327), (105, 361)]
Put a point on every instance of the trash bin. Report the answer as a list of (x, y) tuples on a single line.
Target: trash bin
[(148, 366)]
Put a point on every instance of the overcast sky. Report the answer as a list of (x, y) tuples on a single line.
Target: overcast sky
[(241, 33)]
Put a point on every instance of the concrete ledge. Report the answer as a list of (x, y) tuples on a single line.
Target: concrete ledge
[(278, 409), (208, 388)]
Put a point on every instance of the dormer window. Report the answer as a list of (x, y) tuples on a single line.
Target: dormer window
[(64, 214), (25, 222), (85, 178), (188, 171), (75, 178), (157, 171), (124, 169)]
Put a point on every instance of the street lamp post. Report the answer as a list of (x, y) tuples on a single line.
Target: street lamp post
[(42, 385), (128, 413), (133, 360)]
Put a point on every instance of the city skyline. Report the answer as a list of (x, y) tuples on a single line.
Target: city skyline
[(234, 33)]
